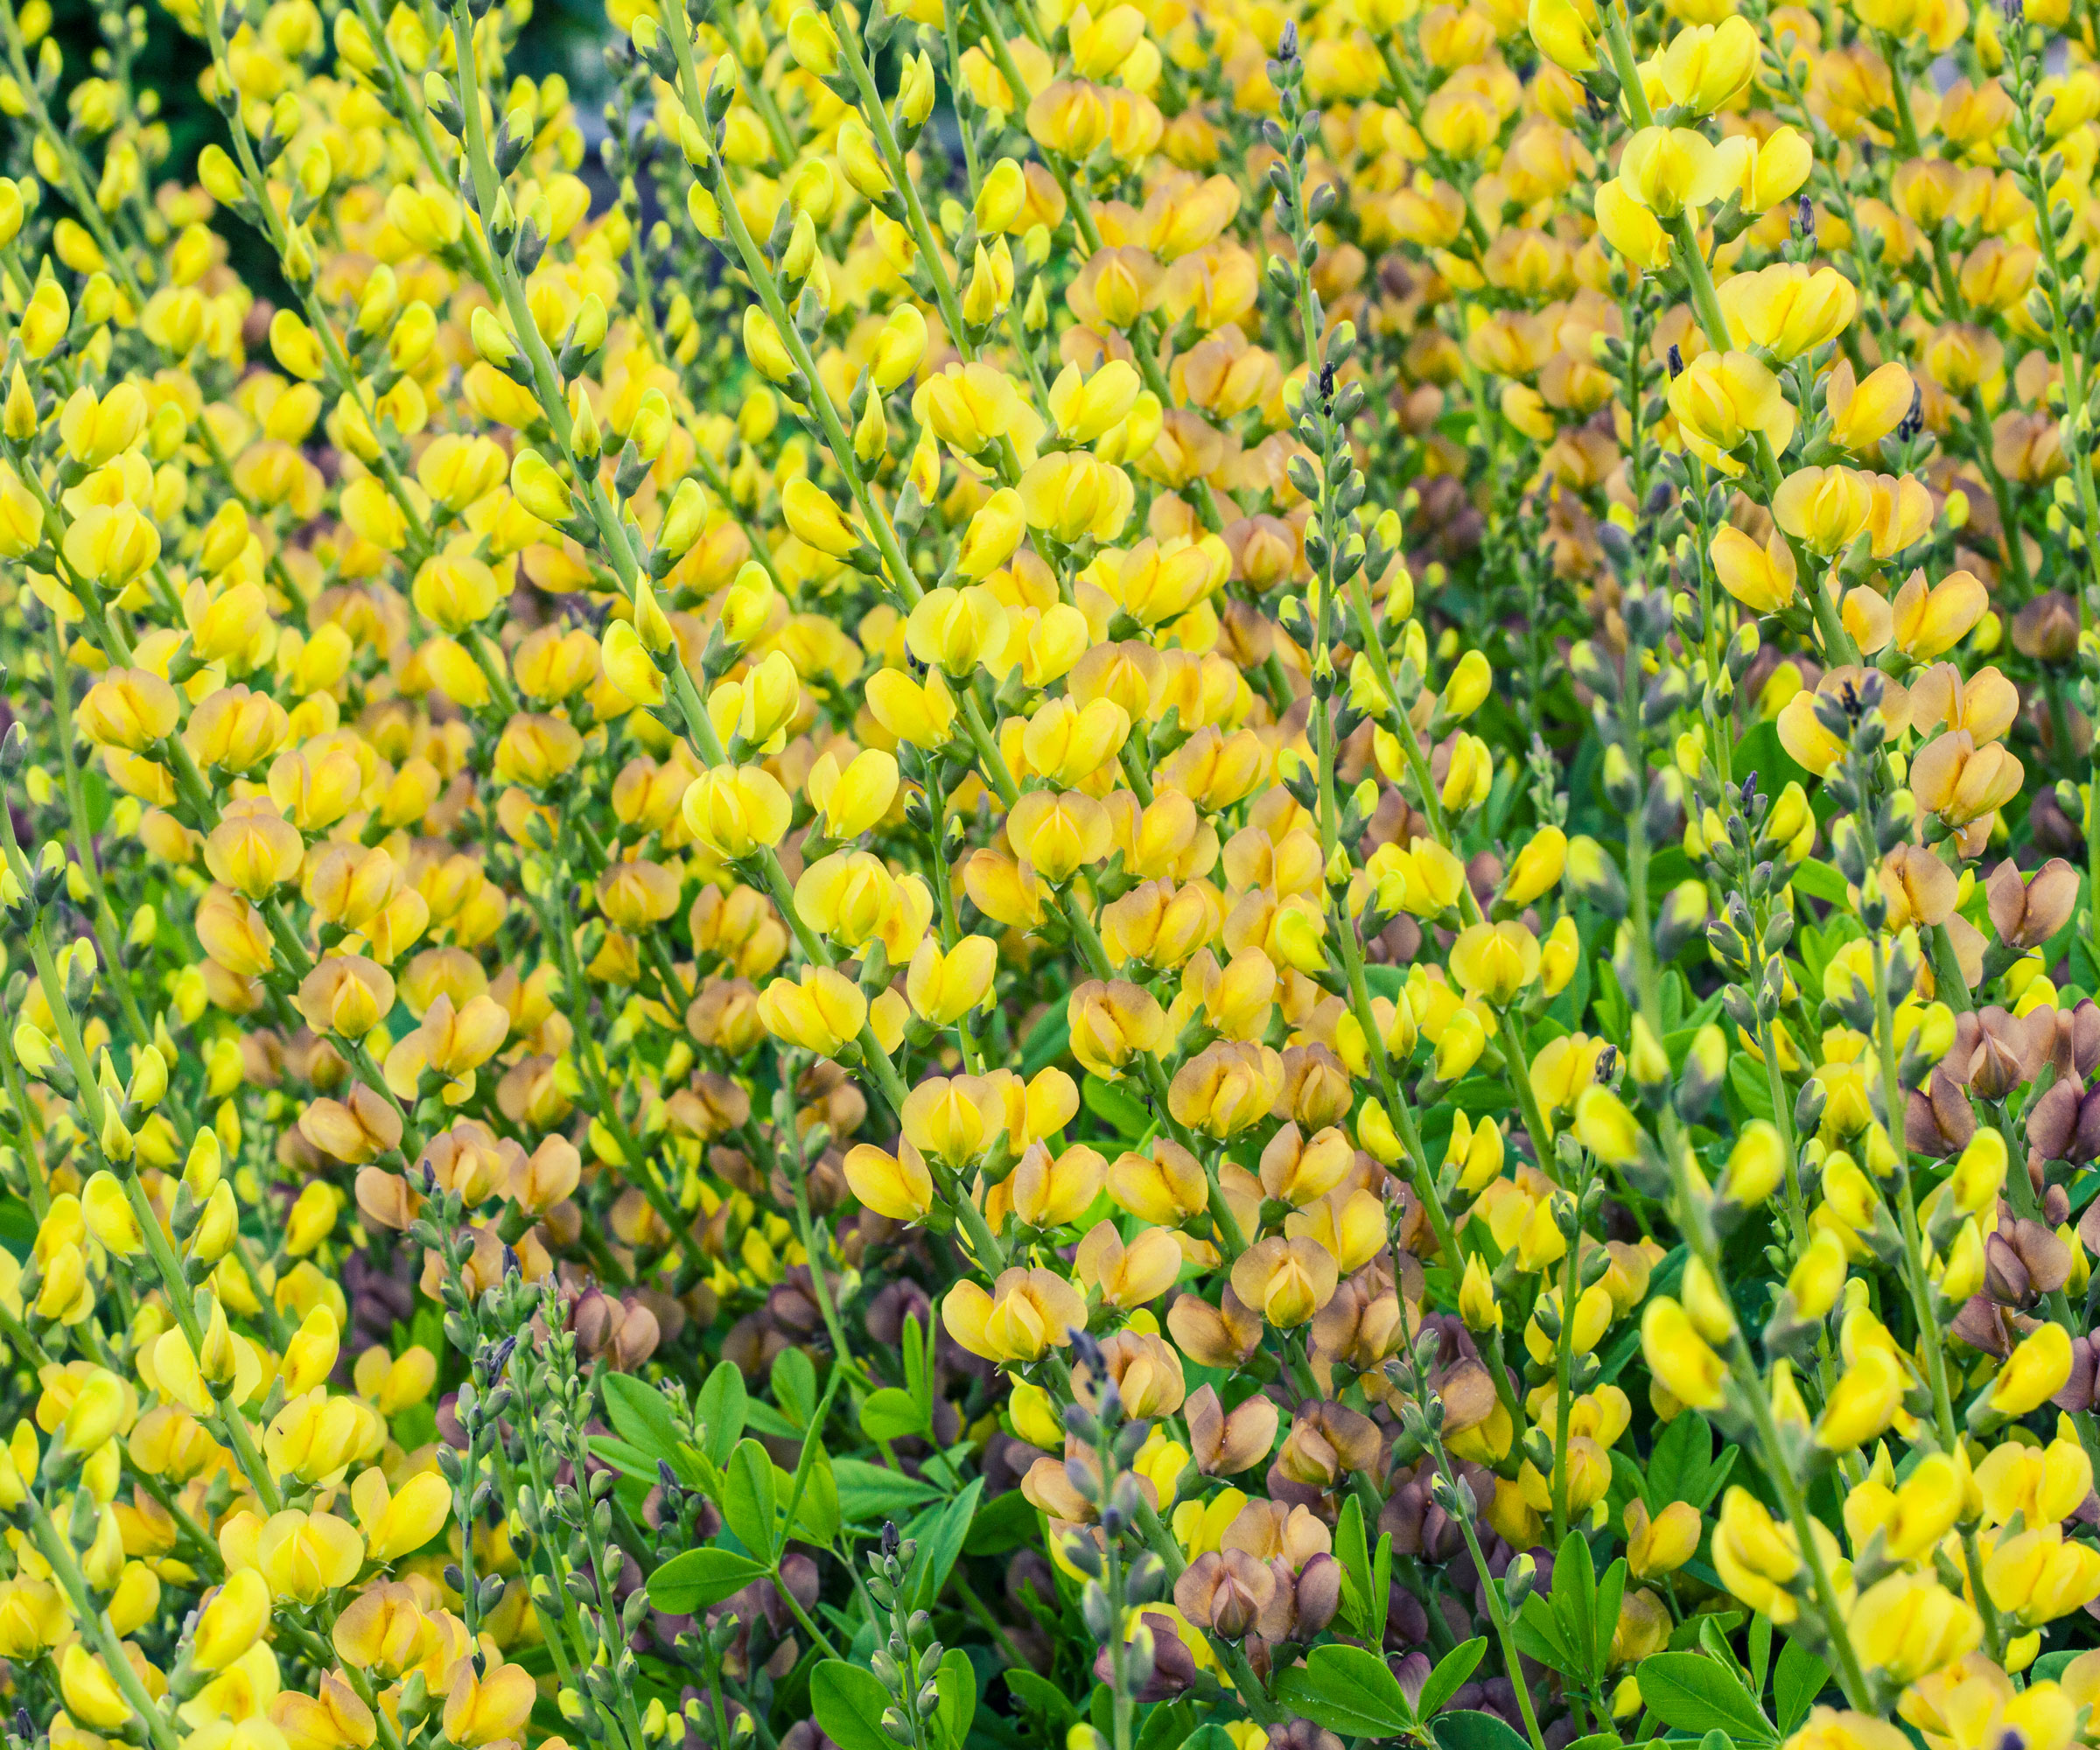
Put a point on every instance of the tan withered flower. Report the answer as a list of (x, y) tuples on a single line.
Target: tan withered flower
[(1225, 1445), (1937, 1118), (2026, 912), (1220, 1336), (1296, 1170), (1920, 888), (1994, 1051), (1327, 1442), (1225, 1591), (1277, 1531), (1147, 1373)]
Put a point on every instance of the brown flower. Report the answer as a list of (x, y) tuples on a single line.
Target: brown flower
[(1327, 1442), (1920, 885), (1147, 1373), (1156, 1638), (1220, 1336), (1995, 1051), (2026, 913), (1052, 1486), (1226, 1445), (1225, 1591), (1938, 1119)]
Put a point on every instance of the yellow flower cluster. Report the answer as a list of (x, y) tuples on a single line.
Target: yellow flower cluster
[(1228, 803)]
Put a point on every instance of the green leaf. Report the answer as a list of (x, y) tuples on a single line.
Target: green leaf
[(870, 1492), (816, 1515), (1468, 1729), (1575, 1600), (1005, 1523), (942, 1546), (1382, 1587), (794, 1385), (629, 1460), (1715, 1645), (1538, 1635), (1717, 1474), (1610, 1591), (957, 1685), (1819, 880), (892, 1414), (748, 1501), (1349, 1690), (1748, 1083), (1800, 1677), (1040, 1696), (1048, 1039), (913, 1348), (95, 799), (1692, 1693), (1761, 752), (822, 1515), (701, 1578), (719, 1412), (1167, 1726), (2049, 1666), (1121, 1112), (1479, 1094), (1354, 1554), (848, 1702), (1676, 1465), (1686, 1634), (761, 1417), (641, 1418), (1449, 1677)]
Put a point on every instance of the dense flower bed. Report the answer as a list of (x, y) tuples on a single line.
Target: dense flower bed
[(1206, 878)]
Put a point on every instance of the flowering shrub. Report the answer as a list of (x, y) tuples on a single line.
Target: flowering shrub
[(1198, 875)]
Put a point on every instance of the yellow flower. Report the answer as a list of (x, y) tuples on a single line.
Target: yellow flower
[(942, 987), (489, 1706), (2034, 1373), (1680, 1357), (128, 708), (1286, 1280), (1823, 508), (1667, 170), (397, 1521), (897, 1186), (1722, 400), (1786, 308), (734, 810), (1113, 1022), (1566, 33), (813, 518), (1909, 1625), (1763, 577), (1707, 65), (1663, 1544), (820, 1013), (95, 429), (1028, 1313), (1862, 413), (1070, 494), (1495, 962), (1757, 1558)]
